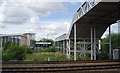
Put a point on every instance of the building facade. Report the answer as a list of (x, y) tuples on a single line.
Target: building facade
[(20, 39), (41, 45)]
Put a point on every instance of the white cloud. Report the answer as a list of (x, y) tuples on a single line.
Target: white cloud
[(46, 7), (50, 29), (14, 13), (20, 11), (47, 0), (27, 14)]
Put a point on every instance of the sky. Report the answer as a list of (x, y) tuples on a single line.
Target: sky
[(48, 18)]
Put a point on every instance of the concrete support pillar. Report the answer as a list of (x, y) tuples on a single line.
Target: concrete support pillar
[(91, 43), (110, 50), (75, 42), (94, 43)]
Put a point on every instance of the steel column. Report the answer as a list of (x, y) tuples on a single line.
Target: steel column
[(69, 50), (1, 42), (75, 42), (99, 44), (118, 26), (91, 43), (84, 49), (110, 50), (118, 31), (94, 43), (63, 46)]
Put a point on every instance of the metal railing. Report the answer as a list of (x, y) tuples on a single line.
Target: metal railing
[(87, 5)]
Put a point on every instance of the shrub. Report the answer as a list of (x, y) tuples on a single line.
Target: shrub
[(27, 49), (15, 52)]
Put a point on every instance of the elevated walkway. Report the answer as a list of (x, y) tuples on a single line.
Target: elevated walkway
[(91, 21)]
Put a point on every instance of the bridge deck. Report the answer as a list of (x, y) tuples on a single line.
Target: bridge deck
[(100, 16)]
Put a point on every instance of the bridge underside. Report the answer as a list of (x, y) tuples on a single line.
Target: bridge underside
[(93, 24), (85, 33), (100, 17)]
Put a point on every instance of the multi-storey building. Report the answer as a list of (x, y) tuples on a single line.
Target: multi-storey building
[(20, 39)]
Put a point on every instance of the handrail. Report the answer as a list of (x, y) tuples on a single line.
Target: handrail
[(87, 5)]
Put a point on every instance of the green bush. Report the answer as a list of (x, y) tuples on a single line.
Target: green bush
[(15, 52), (115, 39), (27, 49), (50, 49)]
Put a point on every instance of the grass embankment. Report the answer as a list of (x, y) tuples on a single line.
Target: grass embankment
[(46, 57), (51, 56)]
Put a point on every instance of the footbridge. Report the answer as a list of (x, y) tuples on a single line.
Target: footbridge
[(89, 23)]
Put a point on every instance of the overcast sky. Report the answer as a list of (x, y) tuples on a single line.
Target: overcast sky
[(50, 19)]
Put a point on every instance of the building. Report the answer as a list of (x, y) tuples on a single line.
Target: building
[(39, 45), (61, 43), (20, 39)]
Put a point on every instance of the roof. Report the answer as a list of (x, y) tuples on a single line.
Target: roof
[(62, 37), (18, 34), (43, 42)]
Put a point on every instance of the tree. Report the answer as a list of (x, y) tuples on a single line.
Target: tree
[(27, 49), (115, 44), (7, 45)]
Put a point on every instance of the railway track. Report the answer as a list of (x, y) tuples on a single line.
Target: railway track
[(62, 67)]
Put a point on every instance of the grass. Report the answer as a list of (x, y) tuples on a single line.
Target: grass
[(0, 54), (52, 56), (46, 57)]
